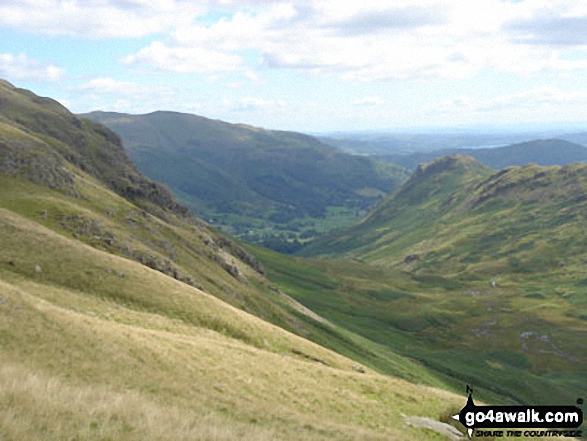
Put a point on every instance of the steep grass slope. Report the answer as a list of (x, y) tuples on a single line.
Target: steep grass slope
[(520, 342), (102, 200), (95, 346), (150, 228)]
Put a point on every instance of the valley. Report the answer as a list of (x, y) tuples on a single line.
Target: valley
[(124, 316), (488, 262)]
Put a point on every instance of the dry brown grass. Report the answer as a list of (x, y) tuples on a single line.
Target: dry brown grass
[(36, 406)]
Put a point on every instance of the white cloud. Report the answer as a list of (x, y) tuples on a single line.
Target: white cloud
[(21, 67), (252, 76), (185, 59), (543, 97), (97, 18), (110, 85), (126, 96), (368, 40), (550, 23), (369, 101)]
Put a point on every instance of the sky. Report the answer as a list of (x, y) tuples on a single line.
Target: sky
[(311, 66)]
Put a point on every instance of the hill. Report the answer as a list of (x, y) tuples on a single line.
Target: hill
[(452, 203), (122, 316), (541, 152), (250, 180)]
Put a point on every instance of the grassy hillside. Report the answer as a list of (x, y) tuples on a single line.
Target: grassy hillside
[(485, 266), (513, 343), (541, 152), (256, 183), (408, 214), (102, 200)]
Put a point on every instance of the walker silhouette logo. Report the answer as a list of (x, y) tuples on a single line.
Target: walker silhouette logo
[(490, 421)]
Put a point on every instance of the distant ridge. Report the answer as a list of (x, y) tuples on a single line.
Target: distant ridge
[(541, 152)]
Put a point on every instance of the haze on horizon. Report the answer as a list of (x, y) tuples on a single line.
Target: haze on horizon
[(313, 66)]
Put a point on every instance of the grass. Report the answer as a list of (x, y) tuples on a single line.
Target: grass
[(34, 404), (90, 325)]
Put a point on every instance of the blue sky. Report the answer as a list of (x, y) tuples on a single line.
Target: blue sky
[(314, 66)]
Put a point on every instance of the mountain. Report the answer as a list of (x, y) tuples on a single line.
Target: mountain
[(123, 316), (541, 152), (484, 265), (249, 179)]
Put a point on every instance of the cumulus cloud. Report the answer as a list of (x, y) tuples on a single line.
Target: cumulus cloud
[(252, 76), (549, 30), (21, 67), (186, 59), (549, 23), (374, 21), (126, 95), (110, 85), (543, 97), (370, 40)]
